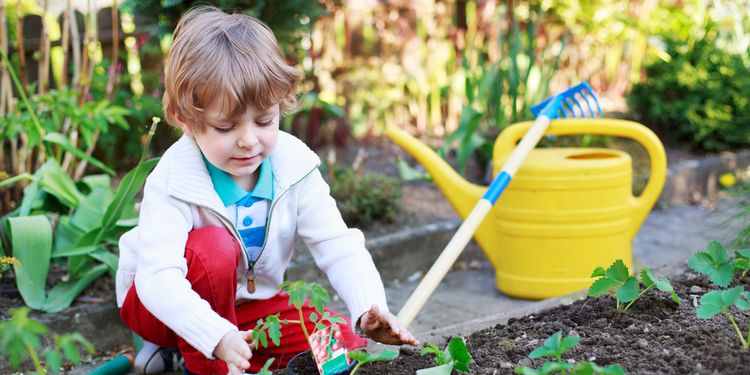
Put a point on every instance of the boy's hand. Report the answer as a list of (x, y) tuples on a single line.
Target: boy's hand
[(235, 351), (383, 327)]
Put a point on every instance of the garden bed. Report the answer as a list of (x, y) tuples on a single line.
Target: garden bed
[(655, 336)]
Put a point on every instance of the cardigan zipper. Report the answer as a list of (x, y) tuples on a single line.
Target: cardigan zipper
[(250, 273)]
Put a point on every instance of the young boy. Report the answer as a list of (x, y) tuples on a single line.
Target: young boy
[(221, 210)]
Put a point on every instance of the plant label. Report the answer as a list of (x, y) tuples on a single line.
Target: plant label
[(329, 350)]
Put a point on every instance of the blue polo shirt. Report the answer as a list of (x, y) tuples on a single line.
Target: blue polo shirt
[(247, 210)]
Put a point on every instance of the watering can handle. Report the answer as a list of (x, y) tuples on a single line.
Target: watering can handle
[(599, 126)]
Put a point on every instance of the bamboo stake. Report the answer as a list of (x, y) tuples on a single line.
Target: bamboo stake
[(44, 46), (21, 50), (65, 43), (111, 83)]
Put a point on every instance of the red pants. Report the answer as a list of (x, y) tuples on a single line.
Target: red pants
[(211, 252)]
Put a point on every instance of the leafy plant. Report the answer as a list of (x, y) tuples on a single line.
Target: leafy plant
[(20, 338), (720, 301), (58, 218), (698, 94), (555, 347), (454, 356), (500, 90), (365, 198), (363, 357), (627, 287), (715, 263)]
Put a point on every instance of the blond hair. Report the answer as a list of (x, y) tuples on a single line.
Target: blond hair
[(233, 57)]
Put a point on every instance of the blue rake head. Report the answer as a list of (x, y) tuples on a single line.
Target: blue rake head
[(568, 103)]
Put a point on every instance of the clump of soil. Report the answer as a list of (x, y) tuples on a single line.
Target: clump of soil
[(655, 336)]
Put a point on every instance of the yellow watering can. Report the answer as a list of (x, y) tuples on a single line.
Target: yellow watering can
[(566, 211)]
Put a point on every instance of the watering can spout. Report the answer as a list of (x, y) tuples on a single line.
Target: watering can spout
[(461, 194)]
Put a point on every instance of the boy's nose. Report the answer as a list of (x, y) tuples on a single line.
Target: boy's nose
[(248, 139)]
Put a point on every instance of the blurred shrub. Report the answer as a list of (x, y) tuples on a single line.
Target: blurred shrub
[(290, 20), (701, 96), (365, 198)]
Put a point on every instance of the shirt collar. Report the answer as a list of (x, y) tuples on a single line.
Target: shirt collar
[(231, 193)]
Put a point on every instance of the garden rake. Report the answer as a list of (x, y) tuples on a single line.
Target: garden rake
[(566, 104)]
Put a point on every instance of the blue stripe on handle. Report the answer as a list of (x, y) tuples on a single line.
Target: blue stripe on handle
[(497, 186)]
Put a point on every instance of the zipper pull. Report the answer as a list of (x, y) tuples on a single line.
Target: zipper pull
[(250, 280)]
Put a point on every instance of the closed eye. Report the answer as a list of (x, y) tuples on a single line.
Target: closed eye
[(223, 130), (265, 123)]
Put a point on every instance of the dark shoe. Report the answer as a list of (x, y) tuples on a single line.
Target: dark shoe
[(153, 359)]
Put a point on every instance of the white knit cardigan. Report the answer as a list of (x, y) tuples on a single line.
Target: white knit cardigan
[(179, 197)]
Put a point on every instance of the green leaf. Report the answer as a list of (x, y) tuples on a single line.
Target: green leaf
[(649, 279), (602, 286), (441, 357), (363, 357), (445, 369), (598, 272), (628, 291), (264, 370), (130, 185), (713, 263), (591, 368), (618, 271), (714, 302), (63, 294), (31, 244), (55, 181), (106, 257), (459, 353), (76, 250), (64, 143), (743, 302), (90, 212), (554, 346), (54, 360), (14, 179)]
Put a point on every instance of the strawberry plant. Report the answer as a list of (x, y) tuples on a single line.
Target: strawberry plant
[(363, 357), (20, 338), (454, 356), (626, 287), (720, 301), (557, 345), (715, 263)]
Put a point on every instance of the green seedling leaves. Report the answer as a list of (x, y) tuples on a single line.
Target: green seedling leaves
[(264, 370), (616, 275), (720, 301), (446, 369), (455, 356), (650, 280), (265, 328), (363, 357), (299, 291), (591, 368), (627, 288), (459, 353), (555, 346), (432, 349), (717, 301), (713, 263), (742, 261)]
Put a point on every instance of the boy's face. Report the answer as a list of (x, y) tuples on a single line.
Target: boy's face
[(238, 145)]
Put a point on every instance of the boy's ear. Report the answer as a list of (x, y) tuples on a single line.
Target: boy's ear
[(185, 129)]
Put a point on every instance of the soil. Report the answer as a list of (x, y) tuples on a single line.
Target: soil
[(655, 336)]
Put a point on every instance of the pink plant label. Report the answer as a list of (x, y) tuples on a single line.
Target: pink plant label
[(329, 350)]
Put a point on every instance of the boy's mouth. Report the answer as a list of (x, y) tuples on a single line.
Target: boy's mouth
[(248, 159)]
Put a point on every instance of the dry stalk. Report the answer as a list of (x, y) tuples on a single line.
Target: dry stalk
[(21, 50), (44, 47), (111, 84)]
